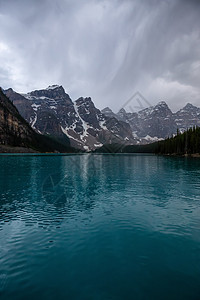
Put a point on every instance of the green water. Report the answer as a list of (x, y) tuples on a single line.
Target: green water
[(99, 227)]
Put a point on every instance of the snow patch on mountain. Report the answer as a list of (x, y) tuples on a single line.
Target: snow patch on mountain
[(84, 124), (33, 121), (35, 106), (53, 87), (153, 139)]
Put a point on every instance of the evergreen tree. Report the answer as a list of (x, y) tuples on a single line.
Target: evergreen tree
[(183, 143)]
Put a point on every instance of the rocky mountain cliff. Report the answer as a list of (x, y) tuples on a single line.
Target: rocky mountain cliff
[(16, 132), (13, 129), (51, 111)]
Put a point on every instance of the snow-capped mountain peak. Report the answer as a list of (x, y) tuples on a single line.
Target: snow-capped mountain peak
[(162, 103), (51, 111), (190, 106), (53, 87)]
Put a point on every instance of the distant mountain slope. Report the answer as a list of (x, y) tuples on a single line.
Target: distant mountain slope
[(187, 117), (16, 132), (51, 111), (158, 122)]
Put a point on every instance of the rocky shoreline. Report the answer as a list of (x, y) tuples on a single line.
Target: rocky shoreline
[(9, 149), (196, 155)]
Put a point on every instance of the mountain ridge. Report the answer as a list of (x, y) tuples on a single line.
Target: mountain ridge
[(158, 120), (51, 111), (16, 134)]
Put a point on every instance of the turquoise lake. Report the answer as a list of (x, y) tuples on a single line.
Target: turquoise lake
[(99, 227)]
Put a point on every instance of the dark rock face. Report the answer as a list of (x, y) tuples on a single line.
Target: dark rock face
[(14, 130), (24, 107), (108, 112), (157, 121), (52, 92), (51, 111)]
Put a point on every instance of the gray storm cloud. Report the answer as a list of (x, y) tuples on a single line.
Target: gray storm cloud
[(104, 49)]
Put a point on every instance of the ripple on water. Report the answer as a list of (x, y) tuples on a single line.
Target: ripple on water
[(129, 227)]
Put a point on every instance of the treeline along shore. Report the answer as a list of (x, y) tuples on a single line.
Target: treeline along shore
[(186, 143)]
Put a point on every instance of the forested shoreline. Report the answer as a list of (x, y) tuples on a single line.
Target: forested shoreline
[(186, 143)]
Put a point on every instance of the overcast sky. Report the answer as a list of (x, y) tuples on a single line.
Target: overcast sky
[(104, 49)]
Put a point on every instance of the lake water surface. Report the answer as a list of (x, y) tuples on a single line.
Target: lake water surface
[(99, 227)]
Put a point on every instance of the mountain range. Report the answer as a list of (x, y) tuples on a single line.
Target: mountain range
[(158, 122), (52, 112)]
